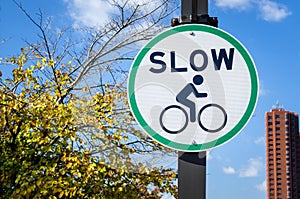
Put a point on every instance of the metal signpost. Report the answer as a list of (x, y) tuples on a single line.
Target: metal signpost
[(192, 88), (192, 165)]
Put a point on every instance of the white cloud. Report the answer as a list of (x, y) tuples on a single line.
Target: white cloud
[(229, 170), (262, 90), (272, 11), (260, 140), (147, 5), (268, 9), (262, 187), (234, 4), (93, 13), (253, 168), (89, 12)]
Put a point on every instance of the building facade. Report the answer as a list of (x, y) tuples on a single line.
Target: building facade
[(282, 154)]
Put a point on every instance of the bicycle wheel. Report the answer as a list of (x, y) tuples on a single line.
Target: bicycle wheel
[(222, 124), (173, 131)]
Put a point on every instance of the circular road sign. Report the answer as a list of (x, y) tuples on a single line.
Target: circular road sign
[(193, 87)]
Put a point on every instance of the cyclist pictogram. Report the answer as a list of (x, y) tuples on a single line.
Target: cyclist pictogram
[(186, 91), (182, 98)]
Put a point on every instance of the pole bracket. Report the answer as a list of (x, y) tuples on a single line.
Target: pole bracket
[(194, 12), (195, 19)]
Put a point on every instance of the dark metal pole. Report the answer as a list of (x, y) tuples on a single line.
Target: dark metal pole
[(191, 10), (192, 165), (191, 175)]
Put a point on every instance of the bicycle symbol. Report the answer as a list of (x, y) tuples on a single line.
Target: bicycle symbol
[(199, 119), (182, 98)]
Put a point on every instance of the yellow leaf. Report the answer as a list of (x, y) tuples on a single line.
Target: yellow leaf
[(103, 169), (61, 194), (69, 165), (38, 64), (72, 138), (38, 56), (39, 182)]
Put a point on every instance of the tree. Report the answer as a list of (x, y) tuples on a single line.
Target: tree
[(63, 136)]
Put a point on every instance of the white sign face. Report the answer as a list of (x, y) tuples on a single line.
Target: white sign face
[(193, 87)]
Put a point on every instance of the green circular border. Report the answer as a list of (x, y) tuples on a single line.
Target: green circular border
[(205, 146)]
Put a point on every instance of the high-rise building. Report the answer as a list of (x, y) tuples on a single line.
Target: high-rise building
[(282, 154)]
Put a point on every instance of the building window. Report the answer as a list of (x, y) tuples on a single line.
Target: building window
[(277, 128), (277, 116), (269, 117), (286, 122)]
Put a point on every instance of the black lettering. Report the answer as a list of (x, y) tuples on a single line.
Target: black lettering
[(173, 64), (223, 56), (157, 61), (192, 60)]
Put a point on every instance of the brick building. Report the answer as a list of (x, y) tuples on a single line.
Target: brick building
[(282, 154)]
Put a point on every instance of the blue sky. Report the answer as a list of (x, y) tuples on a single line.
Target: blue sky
[(267, 28)]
